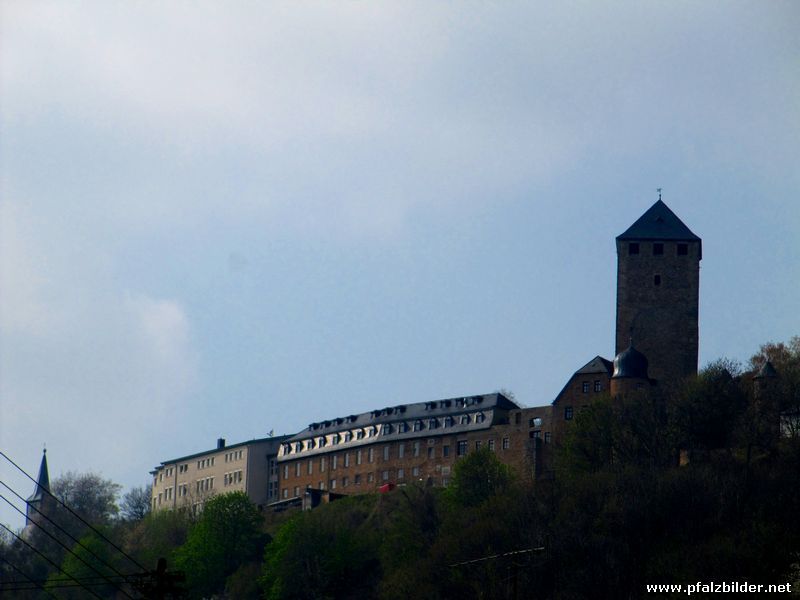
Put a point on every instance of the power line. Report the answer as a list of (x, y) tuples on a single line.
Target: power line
[(21, 572), (67, 548), (76, 515), (51, 562), (64, 531)]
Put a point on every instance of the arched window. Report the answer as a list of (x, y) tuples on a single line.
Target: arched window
[(465, 419), (480, 417), (418, 425), (433, 423), (449, 421)]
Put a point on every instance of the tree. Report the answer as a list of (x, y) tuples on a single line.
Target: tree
[(477, 477), (227, 535), (89, 495), (136, 503)]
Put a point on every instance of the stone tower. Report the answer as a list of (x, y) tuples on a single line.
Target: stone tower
[(658, 289)]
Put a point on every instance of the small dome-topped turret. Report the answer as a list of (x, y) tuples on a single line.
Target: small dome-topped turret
[(630, 363)]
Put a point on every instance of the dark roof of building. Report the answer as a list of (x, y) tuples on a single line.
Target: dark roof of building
[(659, 223), (597, 365), (766, 370), (276, 439), (42, 482), (409, 413), (630, 363)]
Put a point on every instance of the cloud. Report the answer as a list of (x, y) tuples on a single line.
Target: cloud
[(83, 358)]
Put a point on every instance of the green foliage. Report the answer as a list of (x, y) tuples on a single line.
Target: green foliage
[(478, 477), (331, 552), (156, 536), (91, 558), (227, 535)]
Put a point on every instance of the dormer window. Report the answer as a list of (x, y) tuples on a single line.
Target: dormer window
[(323, 441), (449, 421), (298, 446), (348, 435), (418, 425), (480, 417), (387, 429), (433, 423), (465, 420), (310, 444), (359, 434), (335, 438)]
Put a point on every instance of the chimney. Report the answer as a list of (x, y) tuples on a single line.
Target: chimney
[(220, 443)]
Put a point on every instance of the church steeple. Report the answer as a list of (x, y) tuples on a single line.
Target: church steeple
[(40, 501)]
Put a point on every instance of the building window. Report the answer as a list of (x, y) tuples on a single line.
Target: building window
[(415, 471), (286, 471), (360, 434), (387, 429), (658, 249), (480, 418), (322, 464), (546, 437), (357, 479), (370, 477), (402, 427), (297, 469), (506, 443), (401, 473), (633, 248), (296, 491), (462, 448), (536, 434), (465, 419), (585, 387), (348, 436), (683, 249), (598, 386), (401, 450), (386, 452), (370, 454), (333, 462), (385, 475), (358, 457), (477, 444), (656, 280), (333, 484), (430, 451), (517, 419), (433, 423), (310, 466), (445, 451), (346, 459), (417, 425), (567, 413), (311, 443), (344, 481), (448, 422), (416, 448), (491, 445), (285, 493)]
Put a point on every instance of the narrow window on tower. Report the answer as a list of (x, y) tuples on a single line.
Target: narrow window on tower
[(658, 249), (656, 280), (683, 249), (633, 248)]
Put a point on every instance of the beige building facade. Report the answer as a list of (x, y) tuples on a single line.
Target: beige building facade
[(249, 467)]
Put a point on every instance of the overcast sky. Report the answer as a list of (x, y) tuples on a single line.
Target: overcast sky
[(222, 219)]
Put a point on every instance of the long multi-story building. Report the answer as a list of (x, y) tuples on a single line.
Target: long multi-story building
[(406, 443), (188, 481)]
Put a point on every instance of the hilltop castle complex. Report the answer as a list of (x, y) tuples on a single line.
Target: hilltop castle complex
[(658, 267)]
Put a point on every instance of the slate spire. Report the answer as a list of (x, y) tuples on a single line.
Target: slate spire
[(42, 482)]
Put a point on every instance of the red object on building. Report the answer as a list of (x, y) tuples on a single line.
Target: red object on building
[(386, 488)]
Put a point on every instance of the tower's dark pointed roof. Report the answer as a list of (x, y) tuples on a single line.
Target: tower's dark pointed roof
[(659, 223), (43, 481), (630, 363), (766, 370)]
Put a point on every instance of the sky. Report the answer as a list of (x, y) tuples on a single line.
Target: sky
[(230, 219)]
